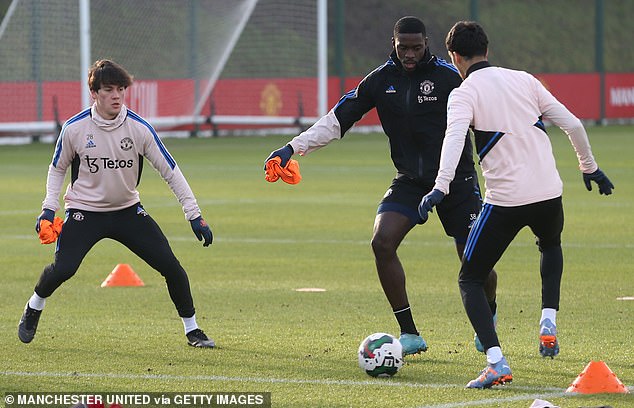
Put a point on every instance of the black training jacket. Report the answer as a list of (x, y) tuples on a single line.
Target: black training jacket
[(412, 108)]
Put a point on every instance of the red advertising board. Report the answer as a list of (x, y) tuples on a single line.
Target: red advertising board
[(619, 96), (579, 92)]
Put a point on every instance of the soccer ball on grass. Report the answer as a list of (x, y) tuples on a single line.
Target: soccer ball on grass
[(380, 355)]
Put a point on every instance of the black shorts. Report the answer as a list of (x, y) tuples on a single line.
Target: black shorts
[(457, 211)]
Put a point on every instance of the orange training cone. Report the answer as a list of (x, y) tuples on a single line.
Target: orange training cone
[(122, 275), (597, 378)]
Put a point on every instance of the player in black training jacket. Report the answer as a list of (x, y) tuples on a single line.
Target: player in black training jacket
[(410, 93)]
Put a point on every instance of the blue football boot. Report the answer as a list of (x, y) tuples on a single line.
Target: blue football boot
[(548, 345), (494, 374), (412, 343)]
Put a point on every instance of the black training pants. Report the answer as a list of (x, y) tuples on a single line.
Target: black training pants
[(491, 234), (132, 227)]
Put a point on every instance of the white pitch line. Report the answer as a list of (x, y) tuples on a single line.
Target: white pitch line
[(544, 392), (168, 377)]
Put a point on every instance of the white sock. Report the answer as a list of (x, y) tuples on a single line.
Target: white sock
[(494, 355), (189, 323), (36, 302), (549, 314)]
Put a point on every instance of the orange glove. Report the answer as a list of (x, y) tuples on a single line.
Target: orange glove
[(289, 174), (50, 231)]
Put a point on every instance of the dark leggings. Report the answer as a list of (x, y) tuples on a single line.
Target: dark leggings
[(491, 234), (132, 227)]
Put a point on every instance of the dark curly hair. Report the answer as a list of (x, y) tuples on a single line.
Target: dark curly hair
[(409, 25)]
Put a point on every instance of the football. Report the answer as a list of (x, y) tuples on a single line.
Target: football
[(380, 355)]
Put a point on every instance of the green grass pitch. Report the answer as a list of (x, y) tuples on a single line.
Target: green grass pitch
[(271, 239)]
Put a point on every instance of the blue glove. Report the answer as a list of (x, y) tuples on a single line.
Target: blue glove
[(604, 183), (284, 153), (46, 214), (202, 230), (429, 202)]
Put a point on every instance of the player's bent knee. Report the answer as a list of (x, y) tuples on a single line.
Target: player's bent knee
[(383, 246)]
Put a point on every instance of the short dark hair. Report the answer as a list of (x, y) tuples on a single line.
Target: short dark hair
[(409, 25), (468, 39), (107, 72)]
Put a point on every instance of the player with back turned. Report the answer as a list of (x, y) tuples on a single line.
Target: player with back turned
[(506, 108), (410, 94), (104, 147)]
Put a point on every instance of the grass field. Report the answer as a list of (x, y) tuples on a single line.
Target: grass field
[(271, 239)]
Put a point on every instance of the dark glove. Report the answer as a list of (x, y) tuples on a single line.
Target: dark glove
[(48, 215), (429, 202), (604, 183), (284, 154), (202, 230)]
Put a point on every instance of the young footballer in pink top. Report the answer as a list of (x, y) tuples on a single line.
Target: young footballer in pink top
[(104, 147), (505, 109)]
